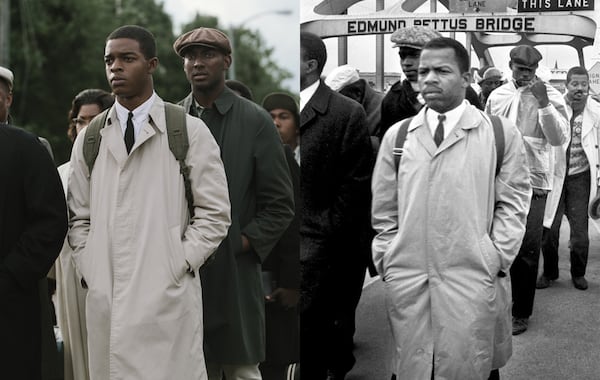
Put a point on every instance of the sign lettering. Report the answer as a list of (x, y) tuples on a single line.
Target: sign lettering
[(453, 24), (554, 5)]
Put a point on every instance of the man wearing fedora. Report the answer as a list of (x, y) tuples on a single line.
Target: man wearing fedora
[(262, 206), (539, 111)]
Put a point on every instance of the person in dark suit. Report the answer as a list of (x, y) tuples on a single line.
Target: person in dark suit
[(337, 159), (33, 225)]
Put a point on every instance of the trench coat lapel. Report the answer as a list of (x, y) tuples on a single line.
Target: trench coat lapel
[(113, 138), (421, 132)]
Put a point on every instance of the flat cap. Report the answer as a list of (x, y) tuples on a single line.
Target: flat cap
[(525, 55), (209, 37), (341, 76), (280, 100), (7, 76), (414, 36)]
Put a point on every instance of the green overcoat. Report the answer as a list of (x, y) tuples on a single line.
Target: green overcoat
[(262, 204)]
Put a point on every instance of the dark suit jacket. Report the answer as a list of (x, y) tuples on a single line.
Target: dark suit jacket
[(336, 162), (33, 224)]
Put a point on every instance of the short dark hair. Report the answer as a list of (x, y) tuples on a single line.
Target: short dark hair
[(314, 48), (462, 56), (577, 70), (142, 35), (96, 96)]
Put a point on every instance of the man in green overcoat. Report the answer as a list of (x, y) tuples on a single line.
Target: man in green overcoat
[(262, 206)]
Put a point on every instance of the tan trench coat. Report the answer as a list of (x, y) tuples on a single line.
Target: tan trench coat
[(589, 141), (70, 306), (131, 240), (446, 227)]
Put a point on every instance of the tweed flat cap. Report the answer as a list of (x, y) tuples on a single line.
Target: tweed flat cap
[(525, 55), (7, 76), (341, 76), (414, 36), (280, 100), (203, 37)]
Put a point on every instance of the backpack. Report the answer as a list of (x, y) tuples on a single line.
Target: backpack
[(498, 135), (178, 144)]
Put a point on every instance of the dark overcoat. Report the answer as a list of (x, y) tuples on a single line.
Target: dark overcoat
[(337, 160), (284, 263), (33, 224), (262, 206)]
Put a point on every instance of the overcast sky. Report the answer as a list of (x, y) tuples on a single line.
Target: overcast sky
[(280, 32)]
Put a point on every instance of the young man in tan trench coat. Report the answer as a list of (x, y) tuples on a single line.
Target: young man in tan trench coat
[(448, 228), (134, 243)]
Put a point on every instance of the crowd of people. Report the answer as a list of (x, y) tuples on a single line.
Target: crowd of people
[(185, 243)]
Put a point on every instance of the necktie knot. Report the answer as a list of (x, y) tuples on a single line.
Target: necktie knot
[(129, 135), (438, 136)]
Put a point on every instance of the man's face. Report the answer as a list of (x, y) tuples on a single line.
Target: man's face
[(205, 67), (490, 84), (286, 125), (127, 70), (578, 88), (409, 60), (5, 101), (440, 79), (522, 74)]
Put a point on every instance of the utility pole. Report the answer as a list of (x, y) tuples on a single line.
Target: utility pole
[(5, 33)]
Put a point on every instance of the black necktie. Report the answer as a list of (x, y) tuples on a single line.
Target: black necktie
[(129, 138), (438, 136)]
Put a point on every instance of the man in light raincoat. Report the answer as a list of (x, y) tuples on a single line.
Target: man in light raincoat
[(448, 229), (539, 111), (134, 243)]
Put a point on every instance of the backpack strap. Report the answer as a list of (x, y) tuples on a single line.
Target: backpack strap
[(399, 144), (91, 144), (499, 135), (179, 144)]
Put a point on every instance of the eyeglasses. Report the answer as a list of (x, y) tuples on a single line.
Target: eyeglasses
[(81, 122)]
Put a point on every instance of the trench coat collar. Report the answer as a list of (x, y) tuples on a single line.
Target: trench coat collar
[(467, 121), (318, 104), (113, 135)]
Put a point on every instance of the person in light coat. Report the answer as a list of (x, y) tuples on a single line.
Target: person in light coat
[(70, 295), (448, 229), (575, 181), (539, 111), (135, 246)]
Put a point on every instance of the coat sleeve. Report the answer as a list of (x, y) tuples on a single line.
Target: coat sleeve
[(212, 210), (512, 198), (553, 118), (384, 208), (78, 200), (40, 242), (274, 193)]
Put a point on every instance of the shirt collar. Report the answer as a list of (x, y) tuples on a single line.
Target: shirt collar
[(452, 118), (307, 94), (140, 114)]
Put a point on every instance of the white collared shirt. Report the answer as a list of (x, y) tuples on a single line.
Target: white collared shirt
[(140, 115), (307, 94), (452, 118)]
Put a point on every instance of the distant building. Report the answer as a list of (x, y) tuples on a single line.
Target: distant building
[(558, 77)]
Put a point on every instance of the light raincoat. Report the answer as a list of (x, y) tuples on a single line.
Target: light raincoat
[(132, 243), (447, 231), (589, 140)]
